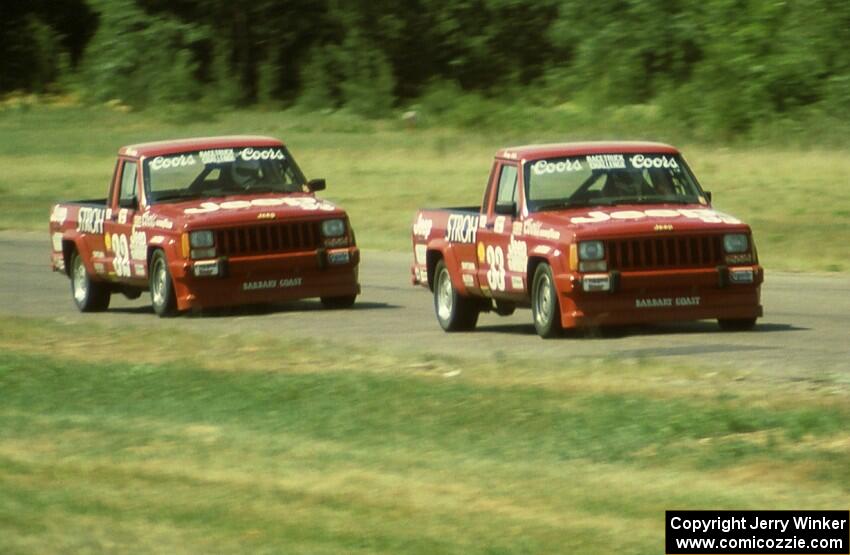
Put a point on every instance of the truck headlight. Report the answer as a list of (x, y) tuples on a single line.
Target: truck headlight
[(201, 239), (333, 228), (591, 255), (735, 243), (591, 250)]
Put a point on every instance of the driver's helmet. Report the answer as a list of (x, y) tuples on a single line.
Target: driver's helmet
[(245, 172), (624, 183), (662, 182)]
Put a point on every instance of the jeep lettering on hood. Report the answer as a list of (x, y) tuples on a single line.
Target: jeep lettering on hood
[(704, 215), (308, 204)]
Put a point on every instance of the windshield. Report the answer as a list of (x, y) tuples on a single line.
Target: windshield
[(221, 172), (609, 179)]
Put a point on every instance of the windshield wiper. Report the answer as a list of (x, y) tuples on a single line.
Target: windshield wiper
[(561, 204), (637, 200), (549, 206), (179, 196), (251, 190), (611, 201), (662, 200)]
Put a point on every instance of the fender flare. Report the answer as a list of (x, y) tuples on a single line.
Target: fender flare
[(73, 242), (557, 259), (441, 249)]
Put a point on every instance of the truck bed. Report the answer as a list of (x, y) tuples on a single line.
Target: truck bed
[(99, 202), (475, 209)]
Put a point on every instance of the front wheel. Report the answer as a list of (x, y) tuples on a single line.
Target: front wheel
[(545, 308), (89, 296), (346, 301), (163, 299), (736, 324), (454, 312)]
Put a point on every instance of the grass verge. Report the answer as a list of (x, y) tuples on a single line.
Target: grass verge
[(235, 444)]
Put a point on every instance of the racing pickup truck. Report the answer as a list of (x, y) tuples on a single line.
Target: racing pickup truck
[(587, 235), (206, 222)]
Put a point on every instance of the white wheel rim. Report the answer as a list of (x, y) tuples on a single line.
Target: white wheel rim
[(80, 281), (158, 285), (444, 296), (544, 300)]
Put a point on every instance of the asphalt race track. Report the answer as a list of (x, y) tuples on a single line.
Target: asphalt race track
[(805, 332)]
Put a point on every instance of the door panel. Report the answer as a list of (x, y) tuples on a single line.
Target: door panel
[(496, 247), (122, 245)]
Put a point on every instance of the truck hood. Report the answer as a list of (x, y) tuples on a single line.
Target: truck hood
[(242, 209), (613, 221)]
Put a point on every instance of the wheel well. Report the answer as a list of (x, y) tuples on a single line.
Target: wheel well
[(151, 250), (533, 263), (68, 249), (431, 260)]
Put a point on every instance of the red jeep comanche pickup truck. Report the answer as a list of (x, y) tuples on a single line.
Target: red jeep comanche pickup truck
[(206, 223), (589, 234)]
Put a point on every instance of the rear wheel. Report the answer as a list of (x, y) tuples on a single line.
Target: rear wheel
[(346, 301), (545, 308), (454, 312), (736, 324), (163, 299), (89, 296)]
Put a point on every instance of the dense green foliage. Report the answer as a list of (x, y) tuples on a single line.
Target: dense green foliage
[(39, 38), (722, 66)]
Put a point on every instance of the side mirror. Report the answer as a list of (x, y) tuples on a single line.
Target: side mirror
[(505, 209), (708, 196), (131, 203), (316, 185)]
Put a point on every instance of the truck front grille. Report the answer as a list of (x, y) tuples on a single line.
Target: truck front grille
[(268, 238), (664, 252)]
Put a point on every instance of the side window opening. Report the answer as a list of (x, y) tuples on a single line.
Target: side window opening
[(128, 182), (507, 194)]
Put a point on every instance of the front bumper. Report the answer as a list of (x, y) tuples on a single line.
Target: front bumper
[(268, 278), (658, 296)]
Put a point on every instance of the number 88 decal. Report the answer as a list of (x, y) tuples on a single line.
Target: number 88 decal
[(496, 270)]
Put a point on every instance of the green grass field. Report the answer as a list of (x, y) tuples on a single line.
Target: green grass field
[(266, 446), (796, 199), (240, 443)]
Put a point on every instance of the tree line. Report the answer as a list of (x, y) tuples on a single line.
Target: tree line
[(725, 64)]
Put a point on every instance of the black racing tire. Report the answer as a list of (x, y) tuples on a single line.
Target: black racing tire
[(163, 299), (454, 312), (346, 301), (545, 307), (88, 295), (736, 324)]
